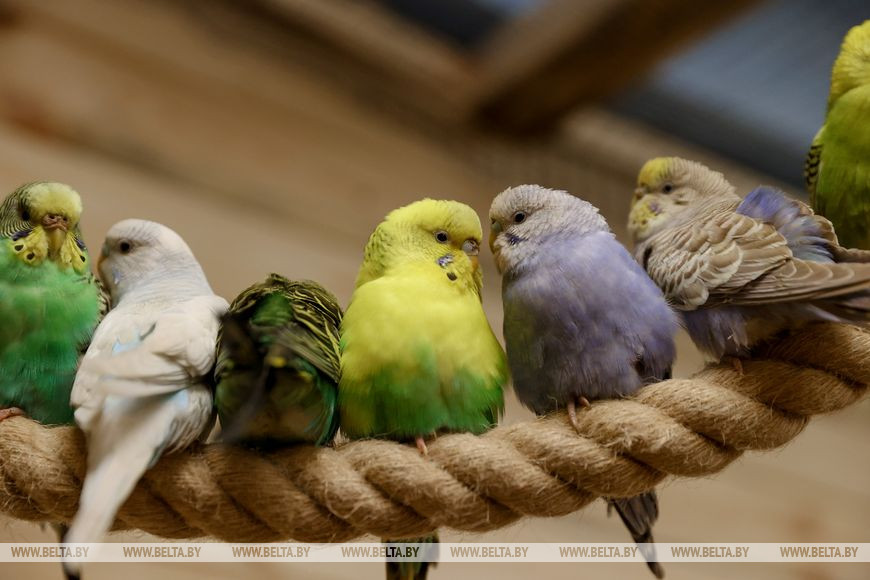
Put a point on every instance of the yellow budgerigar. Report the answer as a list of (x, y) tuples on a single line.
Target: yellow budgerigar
[(418, 355)]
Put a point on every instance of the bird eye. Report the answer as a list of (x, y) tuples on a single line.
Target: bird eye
[(125, 247), (668, 188), (25, 213), (519, 217), (471, 247), (442, 237)]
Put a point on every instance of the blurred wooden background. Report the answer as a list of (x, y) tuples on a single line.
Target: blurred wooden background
[(274, 135)]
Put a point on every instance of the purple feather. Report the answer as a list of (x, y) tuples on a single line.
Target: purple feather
[(584, 319), (802, 232)]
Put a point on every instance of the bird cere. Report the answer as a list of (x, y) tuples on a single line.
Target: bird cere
[(145, 359)]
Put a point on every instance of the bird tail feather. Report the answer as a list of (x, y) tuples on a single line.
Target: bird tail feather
[(414, 570), (106, 487), (639, 513)]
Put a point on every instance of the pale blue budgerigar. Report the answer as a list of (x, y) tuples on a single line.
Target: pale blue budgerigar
[(582, 320), (141, 390), (741, 271)]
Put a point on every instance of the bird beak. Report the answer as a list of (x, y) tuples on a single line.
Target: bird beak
[(55, 222), (104, 253), (638, 193), (494, 231)]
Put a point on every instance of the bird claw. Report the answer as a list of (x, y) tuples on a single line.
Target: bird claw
[(11, 412), (572, 411), (421, 446), (736, 364)]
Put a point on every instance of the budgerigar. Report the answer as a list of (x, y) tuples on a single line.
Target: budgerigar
[(49, 301), (582, 320), (418, 355), (278, 364), (837, 169), (141, 390), (740, 270)]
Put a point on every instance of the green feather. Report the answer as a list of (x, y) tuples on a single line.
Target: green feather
[(842, 188), (837, 169), (278, 364), (421, 402), (49, 314)]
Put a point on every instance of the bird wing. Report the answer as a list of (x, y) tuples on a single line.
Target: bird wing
[(317, 311), (809, 236), (124, 442), (313, 332), (735, 259), (105, 297), (138, 354), (138, 395), (812, 167)]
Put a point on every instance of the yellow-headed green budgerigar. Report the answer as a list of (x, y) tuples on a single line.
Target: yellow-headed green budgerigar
[(838, 165), (50, 302), (278, 364), (418, 355)]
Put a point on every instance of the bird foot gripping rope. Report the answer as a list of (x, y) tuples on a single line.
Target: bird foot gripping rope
[(683, 427)]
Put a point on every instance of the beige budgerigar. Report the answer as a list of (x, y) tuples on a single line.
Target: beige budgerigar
[(741, 270)]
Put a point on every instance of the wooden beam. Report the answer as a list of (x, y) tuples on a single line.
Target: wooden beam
[(527, 43), (621, 46)]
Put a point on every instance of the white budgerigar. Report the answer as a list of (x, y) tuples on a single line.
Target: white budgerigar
[(140, 391)]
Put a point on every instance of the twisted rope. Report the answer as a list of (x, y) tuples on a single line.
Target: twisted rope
[(690, 428)]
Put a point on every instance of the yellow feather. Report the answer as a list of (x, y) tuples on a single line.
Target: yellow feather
[(34, 248), (56, 198), (654, 171), (852, 67)]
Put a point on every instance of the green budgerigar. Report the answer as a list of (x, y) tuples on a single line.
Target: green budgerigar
[(837, 169), (418, 355), (278, 364), (50, 301)]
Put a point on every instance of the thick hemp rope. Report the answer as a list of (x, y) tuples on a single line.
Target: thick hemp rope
[(690, 427)]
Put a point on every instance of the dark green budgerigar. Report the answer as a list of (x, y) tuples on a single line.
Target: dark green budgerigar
[(278, 364), (50, 301)]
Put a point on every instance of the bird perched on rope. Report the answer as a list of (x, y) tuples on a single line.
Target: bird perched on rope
[(582, 321), (50, 302), (418, 355), (278, 364), (837, 168), (141, 390), (741, 270)]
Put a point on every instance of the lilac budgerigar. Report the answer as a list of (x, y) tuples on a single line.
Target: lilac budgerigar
[(582, 320), (741, 270)]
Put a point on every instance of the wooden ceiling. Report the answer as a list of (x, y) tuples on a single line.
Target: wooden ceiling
[(524, 78)]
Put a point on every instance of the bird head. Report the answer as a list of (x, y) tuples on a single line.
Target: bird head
[(41, 221), (137, 253), (437, 234), (523, 217), (667, 187), (852, 67)]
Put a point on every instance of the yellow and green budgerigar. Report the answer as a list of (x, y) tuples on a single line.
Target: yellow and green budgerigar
[(837, 169), (50, 301), (418, 354)]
